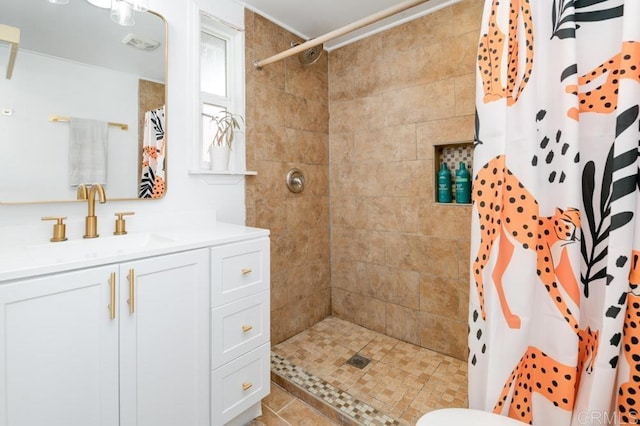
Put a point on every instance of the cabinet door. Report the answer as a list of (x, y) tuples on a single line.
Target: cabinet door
[(164, 340), (59, 351)]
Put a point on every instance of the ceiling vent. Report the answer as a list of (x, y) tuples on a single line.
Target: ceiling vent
[(140, 42)]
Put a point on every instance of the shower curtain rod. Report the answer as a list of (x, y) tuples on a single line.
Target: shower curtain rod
[(338, 32)]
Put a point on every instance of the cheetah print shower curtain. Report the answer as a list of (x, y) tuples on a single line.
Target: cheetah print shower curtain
[(554, 320)]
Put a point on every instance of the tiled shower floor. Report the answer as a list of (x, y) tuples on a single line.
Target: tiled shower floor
[(400, 384)]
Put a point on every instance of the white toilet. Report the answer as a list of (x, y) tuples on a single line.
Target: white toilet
[(465, 417)]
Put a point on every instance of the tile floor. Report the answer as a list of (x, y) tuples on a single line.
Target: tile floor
[(400, 384), (281, 408)]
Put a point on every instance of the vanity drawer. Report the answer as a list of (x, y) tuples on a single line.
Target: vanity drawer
[(239, 327), (240, 384), (239, 270)]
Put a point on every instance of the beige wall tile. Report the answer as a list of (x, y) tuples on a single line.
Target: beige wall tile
[(405, 178), (444, 335), (271, 214), (268, 142), (344, 275), (467, 16), (440, 296), (403, 287), (465, 87), (279, 291), (450, 222), (366, 311), (357, 245), (425, 102), (444, 131), (343, 211), (341, 148), (306, 82), (360, 114), (403, 323), (388, 144), (395, 214)]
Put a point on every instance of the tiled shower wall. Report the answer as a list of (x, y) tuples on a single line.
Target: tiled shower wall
[(400, 262), (287, 126), (365, 241)]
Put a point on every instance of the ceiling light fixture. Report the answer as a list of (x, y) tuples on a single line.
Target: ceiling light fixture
[(123, 11), (59, 1), (104, 4)]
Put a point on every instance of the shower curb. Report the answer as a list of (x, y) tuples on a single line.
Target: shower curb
[(340, 406)]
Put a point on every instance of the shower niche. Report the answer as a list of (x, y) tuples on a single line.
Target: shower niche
[(452, 154)]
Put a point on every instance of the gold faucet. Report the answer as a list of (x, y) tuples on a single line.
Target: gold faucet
[(91, 222)]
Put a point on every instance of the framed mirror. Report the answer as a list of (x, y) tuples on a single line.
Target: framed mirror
[(85, 103)]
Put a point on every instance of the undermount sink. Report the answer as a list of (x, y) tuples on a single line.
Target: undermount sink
[(97, 247)]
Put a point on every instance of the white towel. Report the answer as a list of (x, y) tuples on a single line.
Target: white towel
[(88, 141)]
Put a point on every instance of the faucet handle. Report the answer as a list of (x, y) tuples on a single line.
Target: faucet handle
[(120, 223), (82, 193), (58, 229)]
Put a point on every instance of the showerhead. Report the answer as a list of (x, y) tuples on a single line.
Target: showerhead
[(310, 55)]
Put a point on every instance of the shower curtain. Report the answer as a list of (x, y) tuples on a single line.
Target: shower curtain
[(152, 177), (554, 321)]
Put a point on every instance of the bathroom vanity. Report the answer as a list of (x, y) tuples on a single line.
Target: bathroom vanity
[(151, 328)]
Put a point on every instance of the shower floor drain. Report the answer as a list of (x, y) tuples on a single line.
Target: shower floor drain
[(358, 361)]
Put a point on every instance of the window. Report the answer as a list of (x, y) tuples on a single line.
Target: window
[(221, 83)]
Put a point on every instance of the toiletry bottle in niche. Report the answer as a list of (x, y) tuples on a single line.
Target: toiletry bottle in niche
[(463, 184), (444, 184)]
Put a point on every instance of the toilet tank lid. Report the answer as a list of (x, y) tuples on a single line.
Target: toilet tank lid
[(465, 417)]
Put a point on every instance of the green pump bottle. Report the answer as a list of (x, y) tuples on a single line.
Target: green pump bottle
[(463, 184), (444, 184)]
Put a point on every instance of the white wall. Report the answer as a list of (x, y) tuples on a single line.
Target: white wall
[(186, 194)]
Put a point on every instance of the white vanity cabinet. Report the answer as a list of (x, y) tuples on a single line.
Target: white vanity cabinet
[(58, 351), (68, 359), (240, 330)]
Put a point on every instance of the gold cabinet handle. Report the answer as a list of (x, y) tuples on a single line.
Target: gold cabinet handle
[(246, 328), (112, 305), (247, 386), (246, 271), (132, 291)]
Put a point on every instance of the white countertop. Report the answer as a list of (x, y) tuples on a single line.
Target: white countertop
[(21, 260)]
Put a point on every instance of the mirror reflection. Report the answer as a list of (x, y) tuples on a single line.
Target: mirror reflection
[(85, 102)]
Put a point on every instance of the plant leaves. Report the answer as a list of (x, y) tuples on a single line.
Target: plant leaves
[(623, 187), (601, 255), (620, 219), (607, 177), (602, 237), (599, 275), (568, 71), (600, 15), (586, 3), (588, 187), (626, 119)]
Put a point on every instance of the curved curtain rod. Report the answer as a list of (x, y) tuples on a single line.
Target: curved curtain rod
[(338, 32)]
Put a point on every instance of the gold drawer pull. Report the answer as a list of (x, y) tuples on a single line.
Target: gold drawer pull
[(247, 386), (112, 295), (132, 291), (246, 271), (247, 328)]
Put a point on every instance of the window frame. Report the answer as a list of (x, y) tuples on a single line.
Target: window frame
[(234, 101)]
